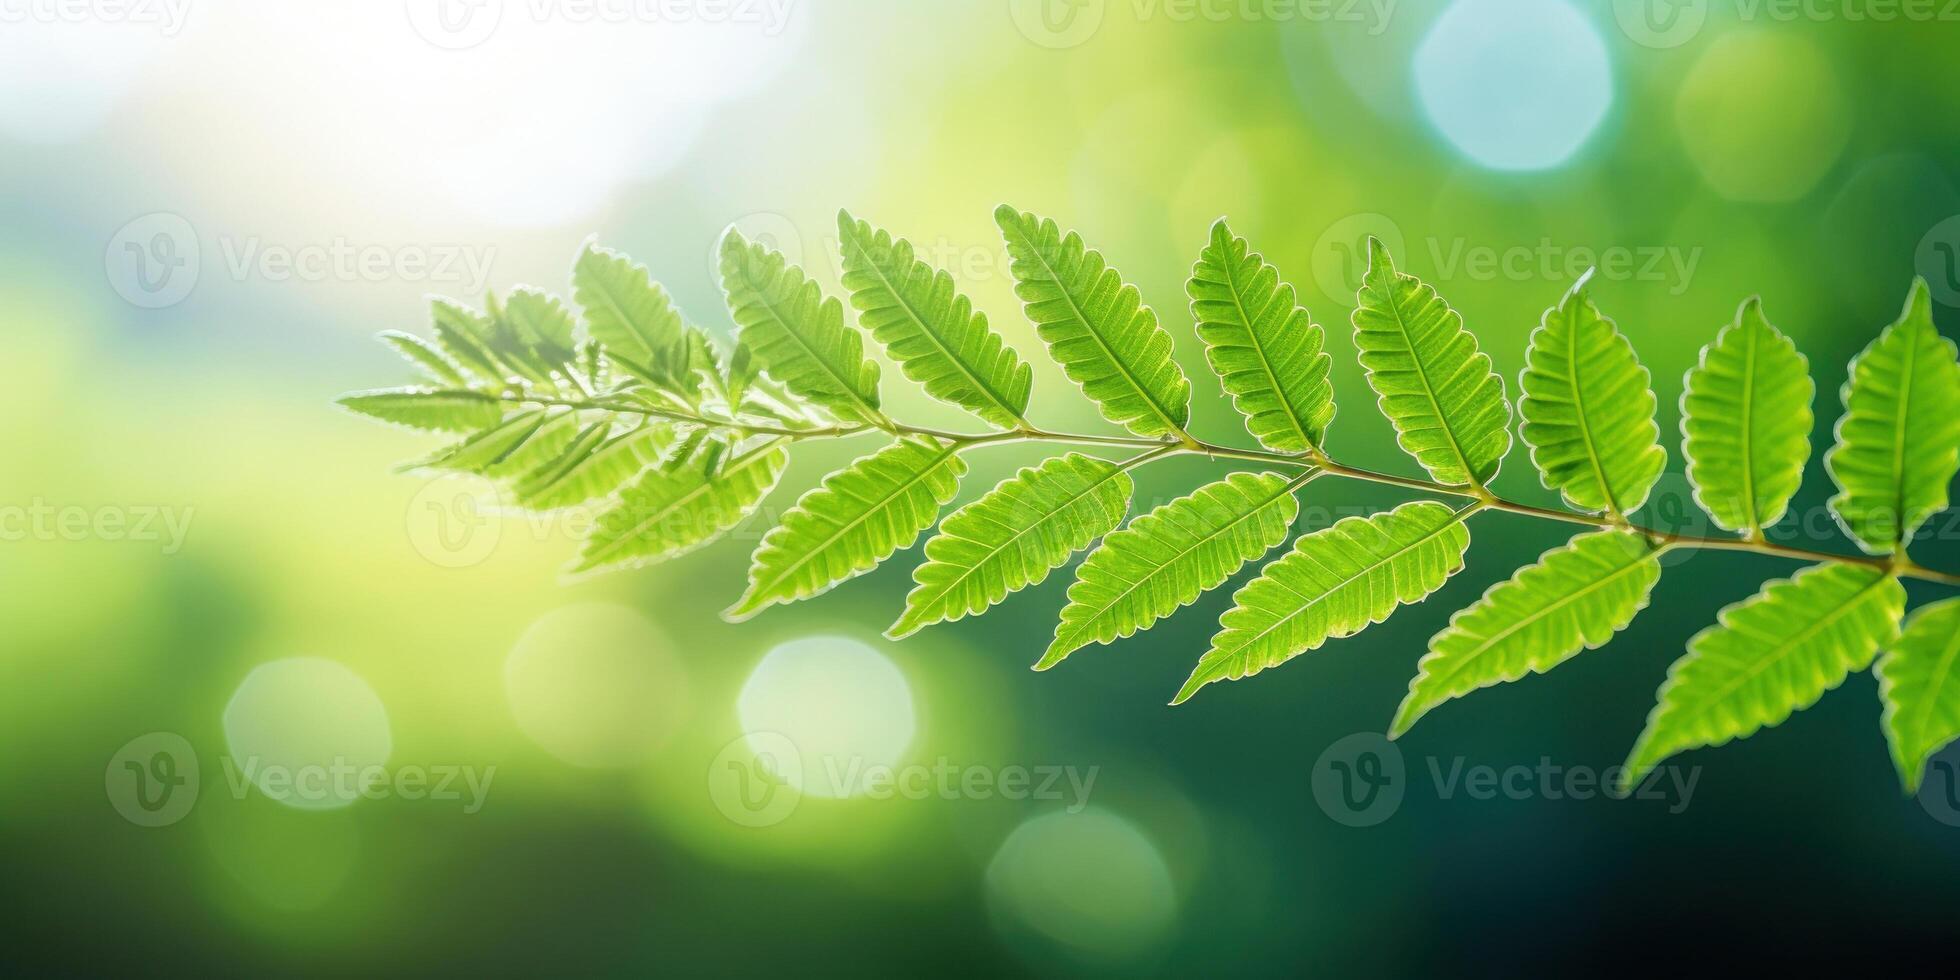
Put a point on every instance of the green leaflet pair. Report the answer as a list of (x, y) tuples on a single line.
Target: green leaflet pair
[(679, 441)]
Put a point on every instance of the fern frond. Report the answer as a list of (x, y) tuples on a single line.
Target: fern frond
[(1588, 410), (594, 464), (493, 448), (932, 331), (679, 506), (633, 319), (426, 356), (1013, 537), (1096, 326), (1745, 423), (796, 333), (1269, 355), (1898, 443), (1433, 383), (1575, 598), (1919, 683), (1334, 583), (1169, 557), (464, 335), (430, 409), (856, 519), (1769, 656)]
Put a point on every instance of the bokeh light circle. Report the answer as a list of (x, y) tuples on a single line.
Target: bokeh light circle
[(1762, 116), (596, 685), (1089, 880), (1514, 84), (308, 732), (843, 705)]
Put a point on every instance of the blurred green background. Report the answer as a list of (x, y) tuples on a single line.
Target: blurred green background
[(209, 207)]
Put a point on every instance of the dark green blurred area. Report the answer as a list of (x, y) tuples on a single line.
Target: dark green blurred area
[(1807, 160)]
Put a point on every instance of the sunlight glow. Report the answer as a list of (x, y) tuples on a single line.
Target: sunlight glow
[(308, 732), (842, 704), (1514, 84), (596, 685)]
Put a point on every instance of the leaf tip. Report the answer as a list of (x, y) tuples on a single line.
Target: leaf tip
[(1378, 257), (744, 609)]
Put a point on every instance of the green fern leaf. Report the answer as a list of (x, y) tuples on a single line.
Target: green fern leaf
[(856, 519), (1772, 655), (593, 465), (1334, 583), (464, 334), (930, 329), (1745, 423), (1013, 537), (1096, 326), (1269, 355), (679, 506), (432, 409), (1898, 443), (632, 317), (1919, 681), (433, 362), (1447, 404), (1588, 410), (1575, 598), (541, 323), (796, 333), (1169, 557)]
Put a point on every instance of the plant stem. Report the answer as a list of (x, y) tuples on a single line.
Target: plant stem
[(1314, 460)]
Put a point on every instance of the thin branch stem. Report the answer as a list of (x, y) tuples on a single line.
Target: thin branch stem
[(1314, 461)]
